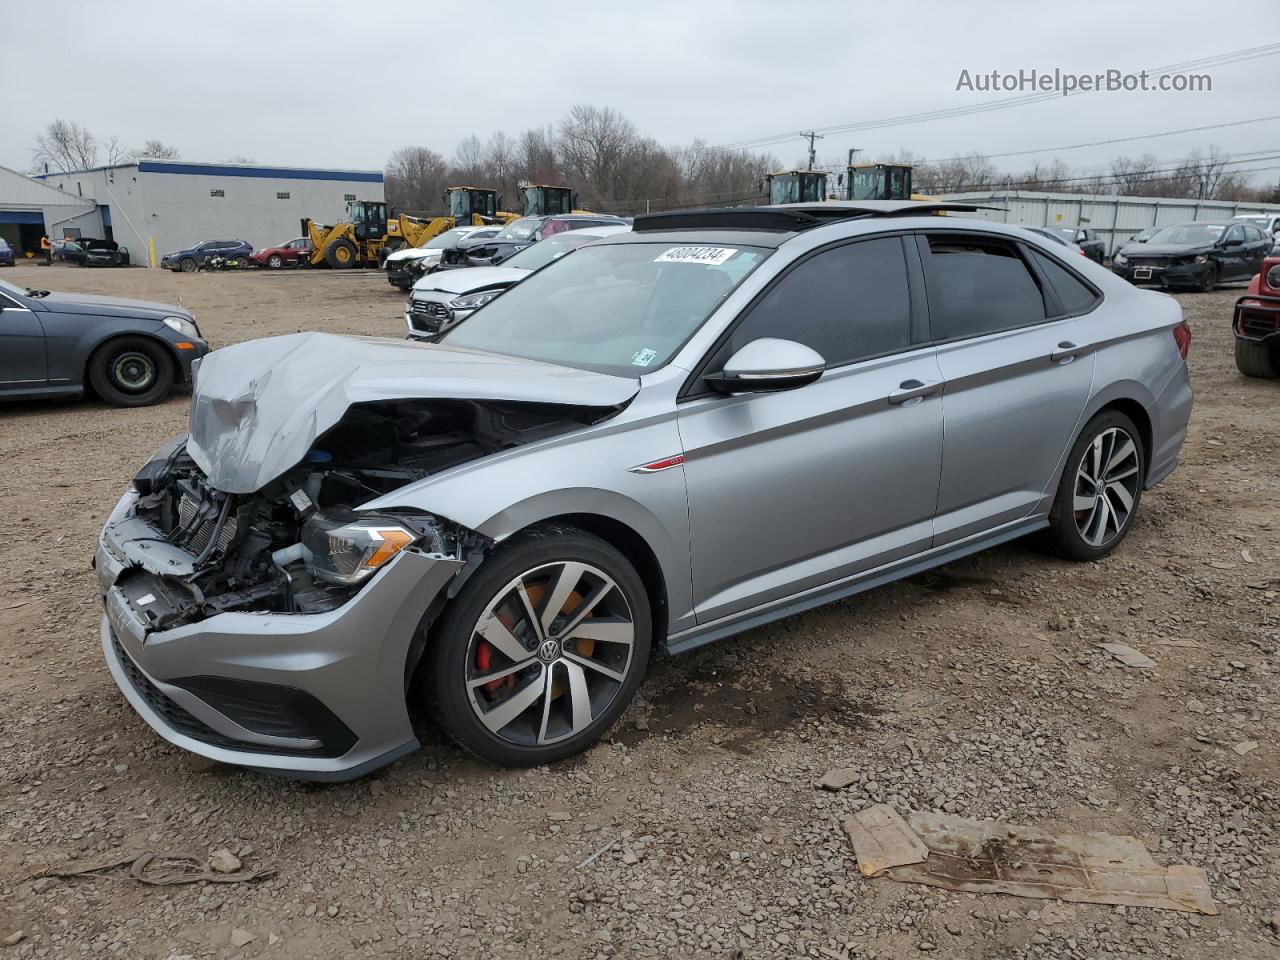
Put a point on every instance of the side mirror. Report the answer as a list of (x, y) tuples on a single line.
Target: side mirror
[(768, 365)]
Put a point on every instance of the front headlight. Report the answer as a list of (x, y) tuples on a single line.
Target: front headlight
[(183, 326), (349, 549), (1273, 277), (1120, 260), (473, 300), (1202, 258)]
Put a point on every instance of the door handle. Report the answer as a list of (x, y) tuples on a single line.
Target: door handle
[(1065, 353), (913, 390)]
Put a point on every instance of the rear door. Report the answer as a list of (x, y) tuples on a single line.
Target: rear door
[(790, 491), (1016, 371)]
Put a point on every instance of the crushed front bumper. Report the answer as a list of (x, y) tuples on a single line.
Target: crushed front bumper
[(318, 696)]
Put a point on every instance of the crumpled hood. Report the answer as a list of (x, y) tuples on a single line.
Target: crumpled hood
[(259, 406), (472, 278), (414, 253), (110, 306)]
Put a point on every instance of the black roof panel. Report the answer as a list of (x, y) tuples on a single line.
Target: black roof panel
[(790, 217)]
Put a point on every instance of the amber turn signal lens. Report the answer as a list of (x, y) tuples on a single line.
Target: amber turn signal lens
[(391, 540)]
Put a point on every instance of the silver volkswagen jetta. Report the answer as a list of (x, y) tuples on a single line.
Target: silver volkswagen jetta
[(664, 438)]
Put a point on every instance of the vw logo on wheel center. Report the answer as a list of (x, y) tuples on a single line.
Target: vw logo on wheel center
[(549, 651)]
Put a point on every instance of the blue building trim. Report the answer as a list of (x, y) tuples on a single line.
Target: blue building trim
[(21, 216), (269, 173)]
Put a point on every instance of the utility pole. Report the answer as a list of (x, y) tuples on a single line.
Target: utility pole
[(811, 136)]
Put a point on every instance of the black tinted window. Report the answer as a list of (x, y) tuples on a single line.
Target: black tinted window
[(847, 303), (1073, 293), (979, 285)]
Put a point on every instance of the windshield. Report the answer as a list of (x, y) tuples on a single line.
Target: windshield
[(520, 229), (1188, 234), (1046, 232), (621, 309), (10, 289), (544, 251), (446, 239)]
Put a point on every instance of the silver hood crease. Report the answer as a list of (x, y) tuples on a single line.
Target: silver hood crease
[(258, 407)]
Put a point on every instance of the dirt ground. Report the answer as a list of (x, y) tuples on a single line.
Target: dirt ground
[(976, 689)]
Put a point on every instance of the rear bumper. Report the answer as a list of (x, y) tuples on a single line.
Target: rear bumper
[(1172, 415), (317, 696)]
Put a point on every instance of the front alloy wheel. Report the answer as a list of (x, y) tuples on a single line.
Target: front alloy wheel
[(542, 651)]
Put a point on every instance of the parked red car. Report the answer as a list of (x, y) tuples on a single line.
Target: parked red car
[(1256, 323), (292, 254)]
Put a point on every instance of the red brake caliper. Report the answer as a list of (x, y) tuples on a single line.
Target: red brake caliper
[(484, 663)]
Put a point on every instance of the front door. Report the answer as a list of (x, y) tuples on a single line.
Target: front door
[(23, 360), (790, 491), (1016, 380)]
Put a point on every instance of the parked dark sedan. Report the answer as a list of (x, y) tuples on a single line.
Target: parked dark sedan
[(1199, 254), (129, 352), (193, 258), (104, 253), (519, 234)]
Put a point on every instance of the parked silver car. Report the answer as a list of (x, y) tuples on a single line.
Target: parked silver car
[(662, 439)]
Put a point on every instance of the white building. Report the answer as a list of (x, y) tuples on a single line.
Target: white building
[(30, 210), (157, 206)]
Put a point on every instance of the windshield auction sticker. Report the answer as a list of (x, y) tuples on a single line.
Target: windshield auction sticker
[(709, 256)]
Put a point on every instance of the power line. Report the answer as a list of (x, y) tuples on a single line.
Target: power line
[(1235, 56)]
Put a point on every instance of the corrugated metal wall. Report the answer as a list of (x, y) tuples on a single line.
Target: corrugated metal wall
[(1115, 219)]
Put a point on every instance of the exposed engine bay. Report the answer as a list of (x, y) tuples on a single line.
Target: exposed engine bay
[(297, 545)]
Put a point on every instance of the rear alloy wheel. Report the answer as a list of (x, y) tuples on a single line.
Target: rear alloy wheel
[(131, 372), (1255, 359), (541, 652), (1100, 489)]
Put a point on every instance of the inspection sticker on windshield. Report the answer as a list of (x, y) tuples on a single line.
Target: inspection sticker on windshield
[(711, 256), (642, 358)]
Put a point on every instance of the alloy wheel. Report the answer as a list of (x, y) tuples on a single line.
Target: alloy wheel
[(1106, 486), (549, 653)]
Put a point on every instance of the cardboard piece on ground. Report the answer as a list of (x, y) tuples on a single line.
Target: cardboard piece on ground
[(985, 856), (1128, 655), (882, 839)]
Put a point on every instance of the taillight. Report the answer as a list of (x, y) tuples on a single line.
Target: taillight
[(1182, 337)]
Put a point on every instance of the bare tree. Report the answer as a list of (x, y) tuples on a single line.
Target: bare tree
[(156, 150), (593, 143), (414, 179), (536, 158), (65, 147)]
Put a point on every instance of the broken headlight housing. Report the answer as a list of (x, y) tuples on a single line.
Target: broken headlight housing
[(346, 548)]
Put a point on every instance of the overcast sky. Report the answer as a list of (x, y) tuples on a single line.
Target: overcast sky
[(343, 84)]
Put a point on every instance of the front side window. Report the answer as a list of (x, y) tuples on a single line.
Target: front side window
[(978, 285), (621, 309), (847, 303), (1235, 234)]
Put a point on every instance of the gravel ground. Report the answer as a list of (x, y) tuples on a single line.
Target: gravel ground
[(976, 689)]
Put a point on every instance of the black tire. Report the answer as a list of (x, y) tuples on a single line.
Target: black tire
[(1210, 281), (275, 261), (341, 254), (1255, 359), (1064, 535), (131, 372), (448, 658), (188, 265)]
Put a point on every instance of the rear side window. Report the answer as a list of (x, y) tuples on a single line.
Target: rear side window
[(848, 303), (1074, 294), (979, 285)]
